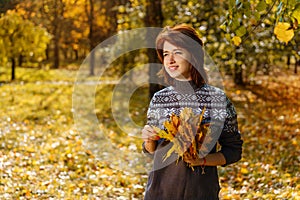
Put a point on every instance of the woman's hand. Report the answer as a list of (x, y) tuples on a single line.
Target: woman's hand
[(193, 161), (212, 159), (149, 136)]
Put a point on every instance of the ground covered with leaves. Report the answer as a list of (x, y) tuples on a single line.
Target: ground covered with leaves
[(269, 122), (42, 155)]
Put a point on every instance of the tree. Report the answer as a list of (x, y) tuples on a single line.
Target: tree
[(245, 20), (21, 38), (50, 15), (206, 17), (76, 26), (102, 23), (284, 16), (153, 18), (240, 35), (90, 15)]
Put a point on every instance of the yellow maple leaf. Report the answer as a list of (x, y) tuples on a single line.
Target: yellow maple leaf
[(185, 114), (283, 32), (236, 40), (170, 151), (269, 1), (163, 134), (201, 115), (175, 120), (170, 127)]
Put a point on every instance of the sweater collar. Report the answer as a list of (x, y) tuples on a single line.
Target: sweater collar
[(184, 87)]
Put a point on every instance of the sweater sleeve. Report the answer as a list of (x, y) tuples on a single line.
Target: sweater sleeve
[(152, 120), (147, 152), (153, 113), (230, 138)]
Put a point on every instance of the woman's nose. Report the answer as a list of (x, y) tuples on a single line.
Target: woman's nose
[(171, 60)]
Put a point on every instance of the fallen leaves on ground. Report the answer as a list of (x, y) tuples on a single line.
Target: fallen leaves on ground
[(42, 155), (269, 121)]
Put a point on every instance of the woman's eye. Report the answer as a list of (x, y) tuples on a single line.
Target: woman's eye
[(165, 54), (178, 53)]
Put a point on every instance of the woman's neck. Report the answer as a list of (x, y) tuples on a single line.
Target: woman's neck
[(184, 86)]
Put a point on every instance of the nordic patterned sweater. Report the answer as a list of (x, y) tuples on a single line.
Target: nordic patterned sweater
[(172, 179)]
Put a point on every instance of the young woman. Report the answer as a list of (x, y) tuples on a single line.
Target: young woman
[(180, 50)]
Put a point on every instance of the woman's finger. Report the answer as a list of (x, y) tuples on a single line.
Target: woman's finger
[(149, 133)]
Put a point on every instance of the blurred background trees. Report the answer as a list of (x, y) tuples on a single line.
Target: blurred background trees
[(253, 42), (244, 37), (21, 41)]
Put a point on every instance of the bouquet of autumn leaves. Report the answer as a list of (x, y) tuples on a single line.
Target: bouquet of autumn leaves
[(186, 133)]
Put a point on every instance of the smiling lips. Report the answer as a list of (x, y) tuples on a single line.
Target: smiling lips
[(173, 67)]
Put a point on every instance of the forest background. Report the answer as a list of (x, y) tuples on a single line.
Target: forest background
[(43, 43)]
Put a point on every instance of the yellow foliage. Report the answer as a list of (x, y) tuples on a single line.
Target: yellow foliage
[(269, 1), (284, 32), (163, 134), (28, 121), (170, 127), (186, 133), (244, 170), (236, 40), (296, 13)]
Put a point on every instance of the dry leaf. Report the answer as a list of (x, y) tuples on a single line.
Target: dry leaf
[(283, 32), (186, 133), (236, 40)]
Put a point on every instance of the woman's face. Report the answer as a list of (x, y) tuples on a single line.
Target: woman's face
[(176, 62)]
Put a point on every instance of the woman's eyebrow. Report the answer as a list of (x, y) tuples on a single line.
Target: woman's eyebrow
[(172, 50)]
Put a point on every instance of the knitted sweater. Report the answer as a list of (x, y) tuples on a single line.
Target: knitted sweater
[(173, 179)]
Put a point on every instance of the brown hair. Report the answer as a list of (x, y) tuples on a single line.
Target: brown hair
[(185, 37)]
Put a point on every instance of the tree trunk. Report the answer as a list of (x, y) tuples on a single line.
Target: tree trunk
[(288, 62), (92, 63), (13, 67), (48, 52), (56, 51), (76, 54), (238, 74), (238, 70), (296, 66), (56, 36), (91, 37), (21, 58), (111, 15), (153, 18)]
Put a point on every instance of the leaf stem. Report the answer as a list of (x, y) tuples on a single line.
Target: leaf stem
[(260, 21)]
